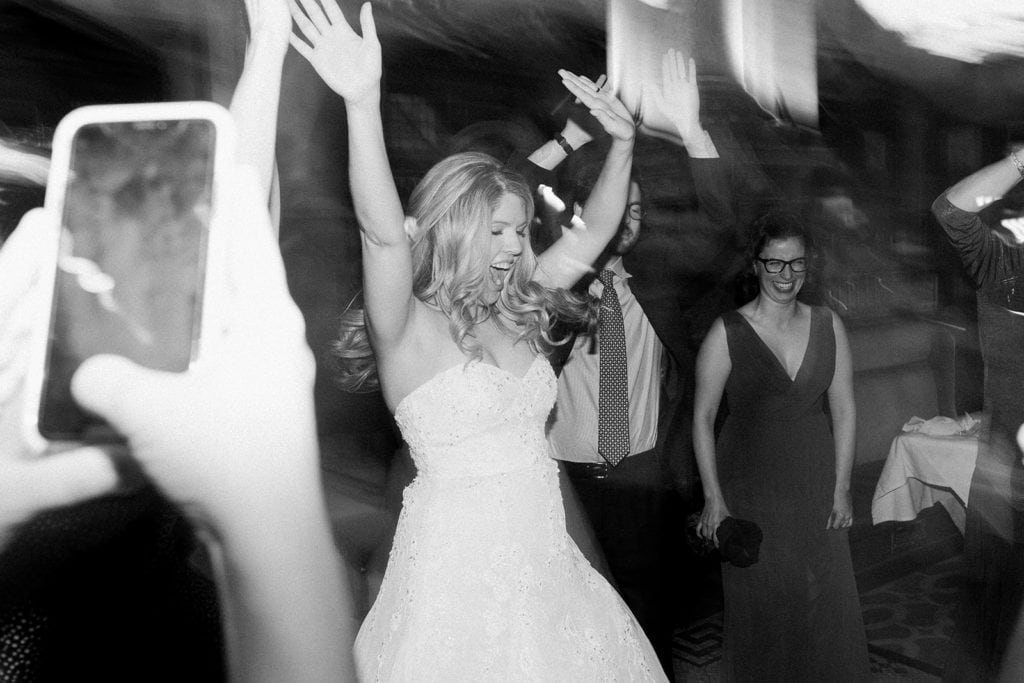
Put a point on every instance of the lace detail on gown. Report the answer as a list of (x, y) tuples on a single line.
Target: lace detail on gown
[(483, 582)]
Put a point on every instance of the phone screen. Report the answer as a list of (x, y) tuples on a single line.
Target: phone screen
[(131, 260)]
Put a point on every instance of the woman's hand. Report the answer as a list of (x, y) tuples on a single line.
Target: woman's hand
[(231, 440), (350, 65), (678, 97), (29, 482), (715, 510), (604, 106), (842, 511)]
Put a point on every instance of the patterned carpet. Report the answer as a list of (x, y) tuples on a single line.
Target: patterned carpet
[(908, 623), (697, 650)]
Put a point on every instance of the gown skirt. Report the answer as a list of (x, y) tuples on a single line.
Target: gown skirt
[(483, 583)]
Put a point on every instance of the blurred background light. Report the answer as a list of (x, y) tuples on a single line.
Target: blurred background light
[(772, 53), (966, 30)]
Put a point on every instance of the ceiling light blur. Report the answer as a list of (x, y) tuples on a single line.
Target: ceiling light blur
[(967, 30)]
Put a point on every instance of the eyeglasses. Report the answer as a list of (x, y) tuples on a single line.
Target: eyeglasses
[(635, 210), (774, 265)]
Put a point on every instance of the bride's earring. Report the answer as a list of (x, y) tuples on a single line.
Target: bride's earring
[(411, 227)]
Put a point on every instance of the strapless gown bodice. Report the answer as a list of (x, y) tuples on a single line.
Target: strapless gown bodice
[(478, 419), (483, 583)]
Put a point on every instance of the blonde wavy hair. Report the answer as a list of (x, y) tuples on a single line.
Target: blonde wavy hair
[(453, 206)]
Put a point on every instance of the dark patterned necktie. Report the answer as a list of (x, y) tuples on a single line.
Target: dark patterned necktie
[(613, 395)]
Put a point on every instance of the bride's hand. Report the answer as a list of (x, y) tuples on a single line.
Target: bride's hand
[(348, 63)]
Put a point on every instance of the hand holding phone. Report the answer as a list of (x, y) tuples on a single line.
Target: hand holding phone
[(30, 484), (232, 440), (134, 186)]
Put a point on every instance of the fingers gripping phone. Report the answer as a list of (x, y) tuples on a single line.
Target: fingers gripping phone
[(135, 188)]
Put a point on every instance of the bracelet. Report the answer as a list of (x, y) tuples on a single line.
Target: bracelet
[(567, 148), (1017, 163)]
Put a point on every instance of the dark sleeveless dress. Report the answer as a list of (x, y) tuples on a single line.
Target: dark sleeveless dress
[(795, 614)]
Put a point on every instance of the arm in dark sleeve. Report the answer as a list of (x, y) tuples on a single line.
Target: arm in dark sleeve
[(986, 258), (712, 182)]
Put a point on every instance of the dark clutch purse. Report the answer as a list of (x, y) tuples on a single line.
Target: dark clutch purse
[(739, 540)]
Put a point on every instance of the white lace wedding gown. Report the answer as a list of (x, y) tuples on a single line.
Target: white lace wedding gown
[(483, 582)]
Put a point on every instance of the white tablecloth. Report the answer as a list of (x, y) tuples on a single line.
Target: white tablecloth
[(922, 470)]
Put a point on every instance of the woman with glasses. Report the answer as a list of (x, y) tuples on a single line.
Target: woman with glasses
[(780, 462)]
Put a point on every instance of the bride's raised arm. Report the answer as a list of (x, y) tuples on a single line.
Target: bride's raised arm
[(350, 65), (565, 261)]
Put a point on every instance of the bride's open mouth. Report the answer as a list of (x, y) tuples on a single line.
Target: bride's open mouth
[(499, 272)]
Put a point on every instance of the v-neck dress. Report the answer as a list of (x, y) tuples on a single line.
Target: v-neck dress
[(795, 614)]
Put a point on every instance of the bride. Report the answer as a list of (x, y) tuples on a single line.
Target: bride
[(483, 582)]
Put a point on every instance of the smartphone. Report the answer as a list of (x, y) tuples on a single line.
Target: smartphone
[(135, 188)]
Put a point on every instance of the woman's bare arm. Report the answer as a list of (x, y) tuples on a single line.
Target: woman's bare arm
[(713, 368), (350, 65)]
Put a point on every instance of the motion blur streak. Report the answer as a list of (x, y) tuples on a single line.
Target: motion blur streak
[(973, 31)]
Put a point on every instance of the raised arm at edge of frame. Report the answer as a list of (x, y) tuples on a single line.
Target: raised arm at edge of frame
[(255, 101), (986, 185)]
